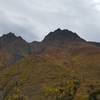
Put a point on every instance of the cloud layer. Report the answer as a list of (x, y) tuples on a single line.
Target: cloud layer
[(33, 19)]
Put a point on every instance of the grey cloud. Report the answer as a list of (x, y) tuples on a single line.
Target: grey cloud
[(33, 19)]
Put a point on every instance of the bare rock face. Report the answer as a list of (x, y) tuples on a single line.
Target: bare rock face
[(62, 36)]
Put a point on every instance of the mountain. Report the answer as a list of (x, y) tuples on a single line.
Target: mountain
[(62, 36), (63, 66), (63, 41), (15, 47)]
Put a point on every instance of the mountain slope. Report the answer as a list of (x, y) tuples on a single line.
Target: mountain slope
[(15, 47), (34, 74), (95, 43), (53, 67), (62, 41)]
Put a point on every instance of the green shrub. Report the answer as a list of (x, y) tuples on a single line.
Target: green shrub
[(64, 92)]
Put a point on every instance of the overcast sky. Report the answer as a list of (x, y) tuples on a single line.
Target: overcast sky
[(33, 19)]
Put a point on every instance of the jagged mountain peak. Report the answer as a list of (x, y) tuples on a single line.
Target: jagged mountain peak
[(62, 35), (15, 46), (10, 34), (10, 37)]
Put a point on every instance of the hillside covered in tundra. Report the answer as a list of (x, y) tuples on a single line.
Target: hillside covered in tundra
[(63, 66)]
